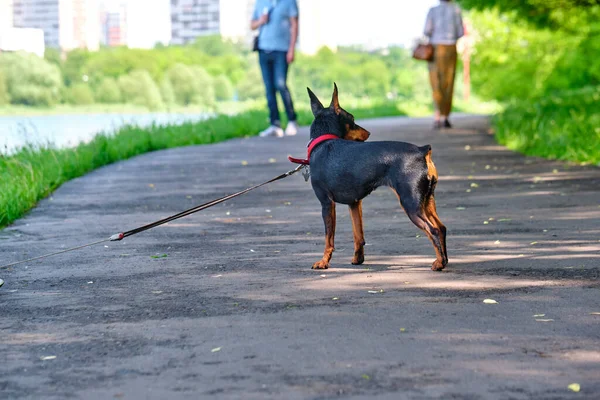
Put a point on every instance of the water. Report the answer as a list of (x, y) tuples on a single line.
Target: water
[(70, 130)]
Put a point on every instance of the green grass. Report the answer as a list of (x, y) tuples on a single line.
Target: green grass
[(564, 126), (34, 172)]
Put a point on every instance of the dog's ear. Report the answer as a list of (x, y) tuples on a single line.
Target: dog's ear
[(335, 103), (315, 104)]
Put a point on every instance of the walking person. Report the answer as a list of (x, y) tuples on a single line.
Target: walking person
[(444, 26), (277, 21)]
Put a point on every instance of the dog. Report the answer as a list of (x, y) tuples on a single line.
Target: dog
[(347, 171)]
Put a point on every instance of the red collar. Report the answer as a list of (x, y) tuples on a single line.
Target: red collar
[(311, 146)]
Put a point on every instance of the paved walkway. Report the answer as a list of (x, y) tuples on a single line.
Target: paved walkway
[(233, 311)]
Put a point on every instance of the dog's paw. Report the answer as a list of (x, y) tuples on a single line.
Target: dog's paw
[(320, 265), (358, 259), (438, 265)]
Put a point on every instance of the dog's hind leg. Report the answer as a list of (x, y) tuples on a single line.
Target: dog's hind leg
[(413, 208), (357, 229), (430, 213), (328, 211)]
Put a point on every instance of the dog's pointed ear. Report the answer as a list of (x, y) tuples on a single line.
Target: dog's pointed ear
[(335, 103), (315, 104)]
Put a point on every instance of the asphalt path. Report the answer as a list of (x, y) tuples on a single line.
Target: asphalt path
[(223, 304)]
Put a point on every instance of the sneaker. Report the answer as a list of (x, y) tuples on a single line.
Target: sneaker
[(447, 124), (272, 131), (291, 128), (1, 282)]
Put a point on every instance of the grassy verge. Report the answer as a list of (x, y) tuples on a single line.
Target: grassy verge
[(564, 127), (33, 173)]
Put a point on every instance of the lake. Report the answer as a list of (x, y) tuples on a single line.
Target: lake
[(70, 130)]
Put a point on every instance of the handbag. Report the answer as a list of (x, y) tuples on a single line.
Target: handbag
[(423, 52), (255, 43)]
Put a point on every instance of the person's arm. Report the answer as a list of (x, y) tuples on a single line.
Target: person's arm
[(428, 31), (258, 19), (458, 24), (291, 54)]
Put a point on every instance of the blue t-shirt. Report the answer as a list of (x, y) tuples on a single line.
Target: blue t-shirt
[(275, 35)]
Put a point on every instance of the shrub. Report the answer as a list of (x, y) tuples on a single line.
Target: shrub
[(223, 88), (139, 88), (31, 80), (108, 91), (79, 94)]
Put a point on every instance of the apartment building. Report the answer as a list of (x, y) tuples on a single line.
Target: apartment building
[(67, 24), (193, 18)]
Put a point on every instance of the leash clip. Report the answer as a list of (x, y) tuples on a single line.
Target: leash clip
[(306, 173), (116, 237)]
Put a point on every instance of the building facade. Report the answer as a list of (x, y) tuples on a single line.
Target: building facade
[(67, 24), (113, 26), (193, 18)]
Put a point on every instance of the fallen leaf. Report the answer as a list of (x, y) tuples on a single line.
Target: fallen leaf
[(188, 197), (537, 179), (486, 222), (575, 387), (272, 160), (228, 213), (375, 291), (545, 320), (244, 162), (468, 190), (555, 171), (497, 242), (46, 358), (490, 301), (157, 291), (252, 251), (90, 282), (323, 276), (467, 147), (539, 315), (595, 313), (335, 298), (151, 185), (504, 220), (491, 219), (402, 329), (161, 256), (365, 376), (532, 243), (474, 185), (487, 167), (460, 208), (215, 350), (288, 203)]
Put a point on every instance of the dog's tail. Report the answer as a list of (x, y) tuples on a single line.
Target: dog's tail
[(432, 175)]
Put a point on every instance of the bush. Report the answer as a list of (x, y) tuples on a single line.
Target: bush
[(139, 88), (252, 87), (31, 80), (4, 96), (79, 94), (223, 88), (166, 91), (108, 91), (205, 90)]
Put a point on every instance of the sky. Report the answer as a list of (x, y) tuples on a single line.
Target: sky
[(372, 22)]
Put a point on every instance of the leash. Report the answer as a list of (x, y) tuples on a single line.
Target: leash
[(120, 236)]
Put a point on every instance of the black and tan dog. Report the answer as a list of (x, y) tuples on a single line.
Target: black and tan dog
[(345, 171)]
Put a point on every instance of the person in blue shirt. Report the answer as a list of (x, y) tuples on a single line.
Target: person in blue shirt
[(277, 22)]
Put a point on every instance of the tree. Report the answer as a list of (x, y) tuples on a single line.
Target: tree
[(31, 80), (4, 96), (223, 88), (166, 91), (108, 91), (139, 88), (79, 94)]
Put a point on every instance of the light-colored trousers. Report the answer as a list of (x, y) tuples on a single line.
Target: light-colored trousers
[(442, 71)]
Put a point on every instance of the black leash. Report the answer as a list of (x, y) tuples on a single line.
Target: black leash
[(120, 236)]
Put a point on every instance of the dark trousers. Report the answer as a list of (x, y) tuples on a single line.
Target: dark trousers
[(274, 67)]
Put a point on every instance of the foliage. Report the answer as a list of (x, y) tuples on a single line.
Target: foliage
[(565, 126), (33, 173), (138, 88), (108, 92), (4, 96), (223, 88), (167, 92), (79, 94), (30, 80)]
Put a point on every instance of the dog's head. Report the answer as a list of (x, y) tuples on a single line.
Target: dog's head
[(335, 119)]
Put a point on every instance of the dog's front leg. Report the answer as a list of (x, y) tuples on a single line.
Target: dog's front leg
[(357, 229), (328, 210)]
